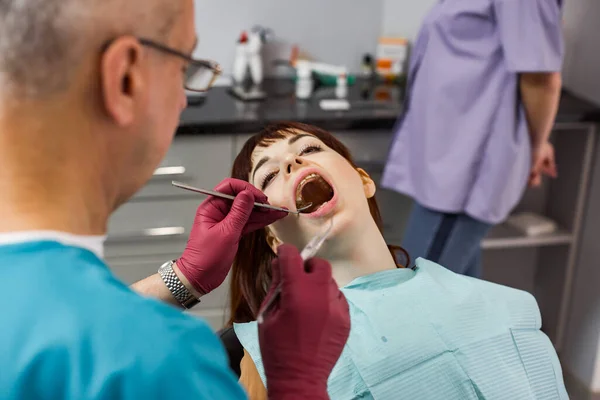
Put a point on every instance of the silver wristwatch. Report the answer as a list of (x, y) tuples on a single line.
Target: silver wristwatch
[(176, 287)]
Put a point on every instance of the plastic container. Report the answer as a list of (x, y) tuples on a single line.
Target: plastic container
[(304, 83), (367, 69), (240, 63), (341, 90), (392, 54)]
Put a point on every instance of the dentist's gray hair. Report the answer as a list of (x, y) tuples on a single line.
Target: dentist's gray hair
[(43, 42)]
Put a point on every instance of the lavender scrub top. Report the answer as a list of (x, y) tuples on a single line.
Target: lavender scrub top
[(463, 144)]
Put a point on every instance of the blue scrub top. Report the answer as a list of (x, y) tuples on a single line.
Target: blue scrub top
[(463, 144), (71, 330)]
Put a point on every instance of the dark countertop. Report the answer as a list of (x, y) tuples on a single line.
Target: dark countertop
[(372, 107)]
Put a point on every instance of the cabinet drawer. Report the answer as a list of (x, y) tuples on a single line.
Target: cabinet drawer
[(239, 141), (202, 160), (132, 270), (369, 147), (131, 220), (168, 248), (215, 318), (155, 227)]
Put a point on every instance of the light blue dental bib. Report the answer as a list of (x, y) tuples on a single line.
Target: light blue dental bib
[(433, 334)]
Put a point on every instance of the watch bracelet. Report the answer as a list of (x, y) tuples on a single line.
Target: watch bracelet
[(176, 287)]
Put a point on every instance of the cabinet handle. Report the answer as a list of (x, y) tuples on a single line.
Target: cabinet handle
[(169, 172), (164, 232)]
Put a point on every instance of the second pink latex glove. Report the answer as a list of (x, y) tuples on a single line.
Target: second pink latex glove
[(304, 334), (217, 230)]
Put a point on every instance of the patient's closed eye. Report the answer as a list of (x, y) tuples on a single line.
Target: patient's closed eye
[(310, 149), (267, 179)]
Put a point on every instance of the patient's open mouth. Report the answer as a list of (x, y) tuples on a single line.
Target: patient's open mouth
[(313, 189)]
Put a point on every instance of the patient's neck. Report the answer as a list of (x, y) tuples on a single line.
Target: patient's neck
[(358, 252)]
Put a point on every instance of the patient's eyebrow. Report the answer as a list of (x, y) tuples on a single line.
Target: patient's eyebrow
[(259, 164), (295, 138)]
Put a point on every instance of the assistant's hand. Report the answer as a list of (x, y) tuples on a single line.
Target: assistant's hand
[(542, 163), (304, 333), (217, 230)]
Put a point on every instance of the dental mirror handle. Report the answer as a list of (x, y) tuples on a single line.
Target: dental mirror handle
[(230, 197)]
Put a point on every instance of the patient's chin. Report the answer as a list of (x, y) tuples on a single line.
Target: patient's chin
[(299, 231), (338, 231), (347, 226)]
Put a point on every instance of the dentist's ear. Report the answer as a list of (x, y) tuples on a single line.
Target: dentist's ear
[(368, 184), (122, 74)]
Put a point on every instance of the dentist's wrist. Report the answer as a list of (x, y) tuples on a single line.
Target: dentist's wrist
[(176, 287), (186, 282)]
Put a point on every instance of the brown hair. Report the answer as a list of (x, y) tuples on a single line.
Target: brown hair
[(251, 271)]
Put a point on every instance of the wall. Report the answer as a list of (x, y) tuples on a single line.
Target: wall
[(403, 17), (582, 34), (580, 355), (581, 74), (332, 31)]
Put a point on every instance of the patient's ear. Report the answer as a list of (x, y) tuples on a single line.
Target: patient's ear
[(368, 184), (272, 241)]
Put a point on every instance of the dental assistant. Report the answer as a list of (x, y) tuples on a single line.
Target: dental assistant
[(90, 97), (483, 91)]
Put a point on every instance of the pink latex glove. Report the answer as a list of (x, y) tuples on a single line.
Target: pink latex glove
[(304, 333), (216, 233)]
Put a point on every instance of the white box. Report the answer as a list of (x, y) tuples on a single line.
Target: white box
[(532, 224)]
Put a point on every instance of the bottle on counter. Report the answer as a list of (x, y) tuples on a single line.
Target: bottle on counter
[(341, 90), (240, 63), (367, 66), (304, 82), (392, 55), (254, 57)]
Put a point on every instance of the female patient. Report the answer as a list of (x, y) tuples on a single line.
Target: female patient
[(425, 333)]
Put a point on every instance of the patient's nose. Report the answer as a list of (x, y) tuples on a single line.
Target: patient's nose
[(292, 163)]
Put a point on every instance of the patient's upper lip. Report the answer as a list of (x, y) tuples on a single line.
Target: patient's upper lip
[(304, 173), (303, 183)]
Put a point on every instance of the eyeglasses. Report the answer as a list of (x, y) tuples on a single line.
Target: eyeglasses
[(200, 74)]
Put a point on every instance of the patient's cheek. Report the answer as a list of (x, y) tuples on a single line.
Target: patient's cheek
[(350, 177), (274, 197)]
